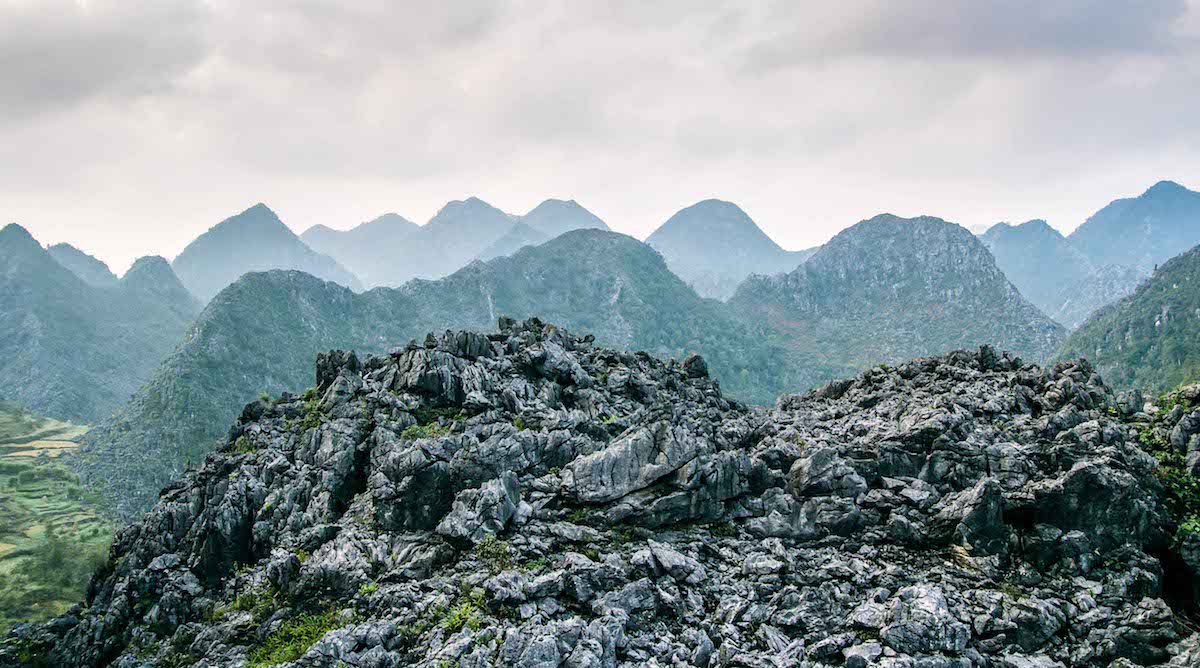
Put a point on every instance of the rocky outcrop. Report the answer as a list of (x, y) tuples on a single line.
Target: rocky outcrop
[(527, 498)]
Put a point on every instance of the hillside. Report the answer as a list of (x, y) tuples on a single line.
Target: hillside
[(1151, 338), (888, 289), (253, 240), (713, 246), (1142, 231), (520, 236), (260, 334), (71, 350), (527, 498)]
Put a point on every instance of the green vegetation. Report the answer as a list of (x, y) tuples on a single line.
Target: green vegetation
[(469, 613), (1151, 339), (493, 552), (1181, 490), (50, 539), (293, 639), (431, 430), (243, 446), (368, 589)]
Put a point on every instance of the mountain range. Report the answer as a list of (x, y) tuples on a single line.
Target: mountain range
[(390, 251), (1104, 259), (253, 240), (1142, 231), (713, 246), (257, 335), (75, 348)]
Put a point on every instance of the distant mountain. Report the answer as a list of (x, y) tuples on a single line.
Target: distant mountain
[(259, 335), (713, 246), (1078, 301), (72, 350), (1038, 259), (520, 236), (555, 216), (390, 251), (1142, 231), (888, 289), (1151, 338), (253, 240), (369, 250), (91, 270)]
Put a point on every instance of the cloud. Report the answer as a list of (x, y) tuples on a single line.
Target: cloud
[(55, 54), (131, 127)]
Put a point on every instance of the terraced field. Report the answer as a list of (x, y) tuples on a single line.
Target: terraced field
[(50, 539)]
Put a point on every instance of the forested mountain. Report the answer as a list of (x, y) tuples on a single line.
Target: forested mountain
[(72, 350), (888, 289), (1150, 339)]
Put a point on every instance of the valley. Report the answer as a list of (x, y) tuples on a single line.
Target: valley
[(51, 536)]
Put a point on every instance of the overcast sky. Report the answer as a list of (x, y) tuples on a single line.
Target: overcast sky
[(127, 128)]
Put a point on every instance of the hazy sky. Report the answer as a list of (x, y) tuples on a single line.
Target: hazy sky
[(127, 128)]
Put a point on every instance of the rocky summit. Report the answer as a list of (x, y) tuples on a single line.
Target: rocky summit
[(527, 498)]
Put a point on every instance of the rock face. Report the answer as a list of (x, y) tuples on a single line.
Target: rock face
[(527, 498), (262, 332), (253, 240), (368, 250), (1151, 338), (72, 349), (1142, 231), (888, 289), (713, 246)]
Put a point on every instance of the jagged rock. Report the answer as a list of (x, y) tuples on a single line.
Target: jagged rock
[(526, 498)]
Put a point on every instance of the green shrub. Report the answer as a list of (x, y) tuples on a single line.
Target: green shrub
[(292, 639), (243, 446), (430, 430), (367, 589), (493, 552), (519, 423)]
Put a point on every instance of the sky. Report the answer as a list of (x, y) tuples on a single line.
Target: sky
[(127, 128)]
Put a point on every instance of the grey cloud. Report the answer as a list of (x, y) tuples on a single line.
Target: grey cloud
[(55, 54), (165, 118), (794, 33)]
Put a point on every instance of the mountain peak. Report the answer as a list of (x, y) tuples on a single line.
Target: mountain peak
[(15, 236), (714, 245), (154, 267), (1165, 188), (554, 217)]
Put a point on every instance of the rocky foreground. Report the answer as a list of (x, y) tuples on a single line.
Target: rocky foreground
[(525, 498)]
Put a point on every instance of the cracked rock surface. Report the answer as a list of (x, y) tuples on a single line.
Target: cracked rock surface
[(524, 498)]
